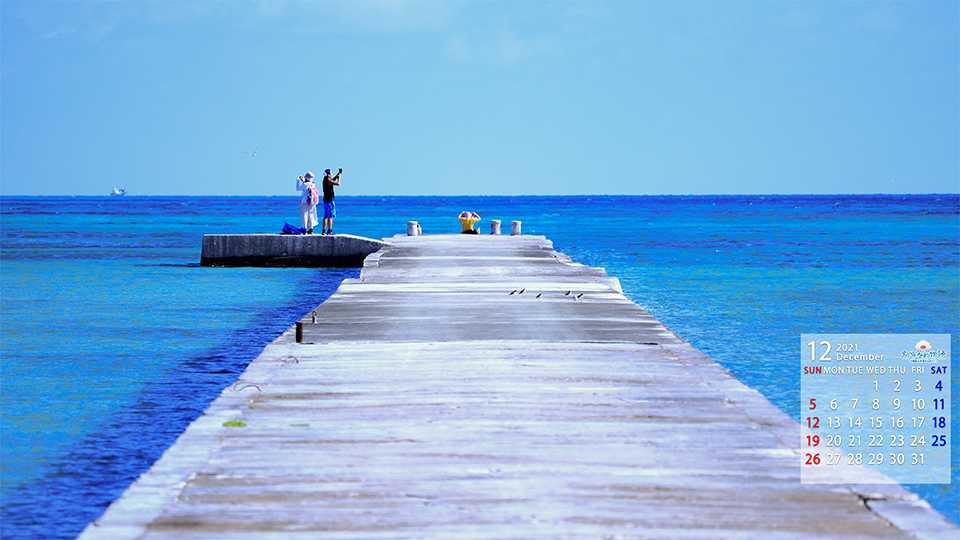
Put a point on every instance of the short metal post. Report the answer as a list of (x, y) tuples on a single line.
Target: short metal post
[(299, 332), (495, 226), (515, 228)]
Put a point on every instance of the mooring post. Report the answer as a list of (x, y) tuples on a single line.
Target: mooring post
[(495, 226), (515, 228), (299, 332), (413, 228)]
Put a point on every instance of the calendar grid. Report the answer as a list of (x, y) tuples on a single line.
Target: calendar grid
[(875, 408)]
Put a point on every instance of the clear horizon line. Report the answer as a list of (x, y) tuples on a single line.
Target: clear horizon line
[(957, 193)]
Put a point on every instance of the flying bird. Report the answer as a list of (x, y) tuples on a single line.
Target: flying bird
[(252, 154)]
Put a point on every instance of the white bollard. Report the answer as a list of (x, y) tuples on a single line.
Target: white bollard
[(495, 226), (515, 228), (413, 228)]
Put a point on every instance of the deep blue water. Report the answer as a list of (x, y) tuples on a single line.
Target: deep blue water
[(114, 338)]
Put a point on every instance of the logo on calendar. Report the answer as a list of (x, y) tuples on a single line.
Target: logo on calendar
[(923, 353)]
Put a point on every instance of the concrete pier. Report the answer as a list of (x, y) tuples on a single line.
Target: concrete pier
[(485, 386), (286, 250)]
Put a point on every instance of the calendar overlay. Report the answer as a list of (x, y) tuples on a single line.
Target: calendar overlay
[(875, 408)]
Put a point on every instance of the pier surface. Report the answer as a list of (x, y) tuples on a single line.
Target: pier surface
[(487, 387)]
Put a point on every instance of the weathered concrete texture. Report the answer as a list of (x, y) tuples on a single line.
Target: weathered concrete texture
[(286, 250), (474, 288), (435, 402)]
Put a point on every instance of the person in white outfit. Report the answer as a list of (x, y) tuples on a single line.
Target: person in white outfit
[(309, 198)]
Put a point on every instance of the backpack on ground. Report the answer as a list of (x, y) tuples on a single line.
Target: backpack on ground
[(290, 229)]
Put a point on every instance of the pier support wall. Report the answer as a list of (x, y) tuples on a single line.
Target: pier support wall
[(286, 250)]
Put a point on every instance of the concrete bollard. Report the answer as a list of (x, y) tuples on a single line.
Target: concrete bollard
[(495, 226), (413, 228), (515, 228)]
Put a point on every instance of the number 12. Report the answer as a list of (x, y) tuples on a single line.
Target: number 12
[(825, 357)]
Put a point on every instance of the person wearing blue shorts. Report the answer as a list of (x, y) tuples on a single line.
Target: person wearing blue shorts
[(329, 207)]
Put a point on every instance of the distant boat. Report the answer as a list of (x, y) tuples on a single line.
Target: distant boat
[(118, 192)]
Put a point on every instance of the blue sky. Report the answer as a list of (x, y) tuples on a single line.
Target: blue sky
[(480, 98)]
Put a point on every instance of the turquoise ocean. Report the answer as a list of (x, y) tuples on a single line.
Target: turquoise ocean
[(113, 338)]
